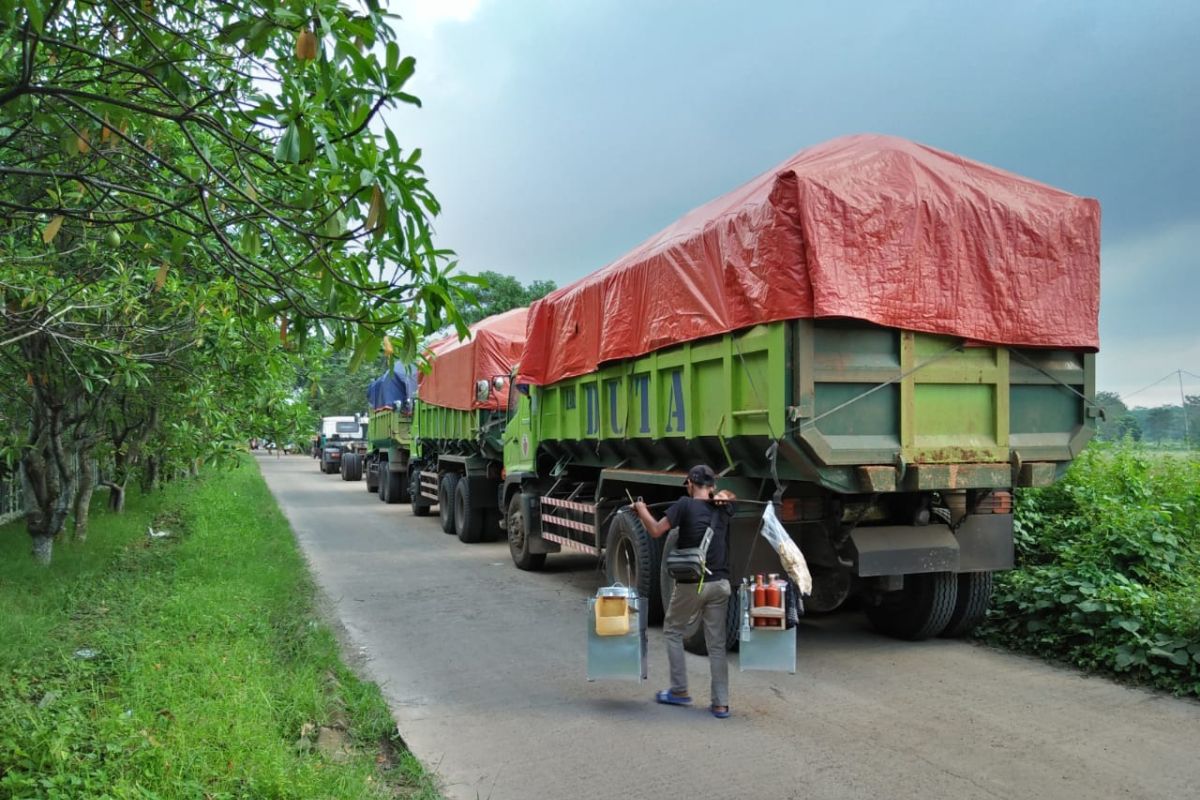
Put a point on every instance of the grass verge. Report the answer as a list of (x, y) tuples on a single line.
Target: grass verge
[(1108, 569), (189, 666)]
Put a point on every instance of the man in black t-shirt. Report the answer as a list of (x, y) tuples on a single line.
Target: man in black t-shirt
[(709, 598)]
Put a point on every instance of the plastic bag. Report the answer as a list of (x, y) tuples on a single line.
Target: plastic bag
[(789, 554)]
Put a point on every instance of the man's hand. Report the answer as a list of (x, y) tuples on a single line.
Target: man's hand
[(724, 497)]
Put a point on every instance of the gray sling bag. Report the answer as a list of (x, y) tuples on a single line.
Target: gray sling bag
[(686, 565)]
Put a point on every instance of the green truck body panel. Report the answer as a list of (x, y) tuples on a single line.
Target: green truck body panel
[(389, 429), (855, 408), (438, 430)]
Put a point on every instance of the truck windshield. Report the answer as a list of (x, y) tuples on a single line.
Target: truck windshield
[(347, 427)]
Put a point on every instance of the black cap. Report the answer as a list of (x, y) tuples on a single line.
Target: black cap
[(702, 475)]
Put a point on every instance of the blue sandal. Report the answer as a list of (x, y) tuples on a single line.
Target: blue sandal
[(719, 714), (667, 697)]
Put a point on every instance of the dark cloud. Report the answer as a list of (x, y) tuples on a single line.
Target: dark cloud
[(559, 135)]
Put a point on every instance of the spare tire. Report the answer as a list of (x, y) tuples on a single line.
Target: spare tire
[(351, 467)]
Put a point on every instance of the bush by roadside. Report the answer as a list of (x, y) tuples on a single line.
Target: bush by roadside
[(1108, 569), (185, 663)]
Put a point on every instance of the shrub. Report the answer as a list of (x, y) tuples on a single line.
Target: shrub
[(1108, 573)]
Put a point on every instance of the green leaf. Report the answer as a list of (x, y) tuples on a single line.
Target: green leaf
[(288, 148), (37, 18)]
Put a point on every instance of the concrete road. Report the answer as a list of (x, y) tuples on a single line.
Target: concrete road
[(484, 667)]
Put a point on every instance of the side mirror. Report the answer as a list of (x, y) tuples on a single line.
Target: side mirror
[(482, 390)]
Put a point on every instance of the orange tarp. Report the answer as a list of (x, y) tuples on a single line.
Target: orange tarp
[(493, 349), (869, 227)]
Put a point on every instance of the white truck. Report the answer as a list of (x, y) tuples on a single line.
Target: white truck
[(337, 436)]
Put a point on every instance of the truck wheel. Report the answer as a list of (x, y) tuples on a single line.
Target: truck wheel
[(446, 487), (921, 609), (634, 558), (693, 640), (468, 520), (518, 538), (403, 493), (974, 596), (372, 475), (383, 483), (390, 483), (420, 506), (351, 467)]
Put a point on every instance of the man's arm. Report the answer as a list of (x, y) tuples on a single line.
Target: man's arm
[(655, 528)]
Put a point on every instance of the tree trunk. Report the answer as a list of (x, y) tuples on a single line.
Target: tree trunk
[(43, 549), (83, 494), (150, 474), (48, 481), (116, 498)]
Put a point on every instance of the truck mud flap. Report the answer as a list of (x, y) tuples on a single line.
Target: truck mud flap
[(904, 550), (985, 543), (982, 543)]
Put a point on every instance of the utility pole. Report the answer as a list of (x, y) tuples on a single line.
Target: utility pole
[(1187, 439)]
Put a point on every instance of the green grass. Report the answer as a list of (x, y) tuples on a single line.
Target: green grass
[(212, 673)]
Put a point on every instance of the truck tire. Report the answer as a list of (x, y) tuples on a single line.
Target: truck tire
[(352, 467), (372, 474), (446, 487), (971, 605), (634, 558), (420, 506), (383, 484), (390, 484), (921, 609), (518, 538), (468, 519), (693, 639)]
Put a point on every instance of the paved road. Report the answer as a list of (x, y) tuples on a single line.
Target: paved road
[(484, 668)]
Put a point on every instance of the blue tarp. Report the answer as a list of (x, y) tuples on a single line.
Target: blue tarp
[(397, 385)]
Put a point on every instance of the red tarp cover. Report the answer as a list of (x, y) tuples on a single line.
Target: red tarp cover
[(869, 227), (493, 349)]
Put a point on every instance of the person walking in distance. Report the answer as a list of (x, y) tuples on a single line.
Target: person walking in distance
[(708, 598)]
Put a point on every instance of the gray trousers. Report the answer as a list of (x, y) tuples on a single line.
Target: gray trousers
[(709, 604)]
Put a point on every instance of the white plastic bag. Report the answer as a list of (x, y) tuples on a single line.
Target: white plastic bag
[(789, 554)]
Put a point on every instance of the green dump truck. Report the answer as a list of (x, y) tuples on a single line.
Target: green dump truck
[(886, 377), (458, 420), (384, 460)]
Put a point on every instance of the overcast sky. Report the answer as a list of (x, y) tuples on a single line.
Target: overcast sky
[(560, 134)]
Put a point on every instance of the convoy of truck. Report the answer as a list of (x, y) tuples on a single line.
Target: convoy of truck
[(881, 339)]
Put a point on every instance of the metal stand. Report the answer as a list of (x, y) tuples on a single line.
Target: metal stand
[(618, 657), (771, 649)]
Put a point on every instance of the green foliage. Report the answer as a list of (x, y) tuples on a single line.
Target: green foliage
[(1108, 571), (338, 390), (499, 293), (208, 666), (199, 139)]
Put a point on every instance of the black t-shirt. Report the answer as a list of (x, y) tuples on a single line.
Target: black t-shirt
[(692, 518)]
